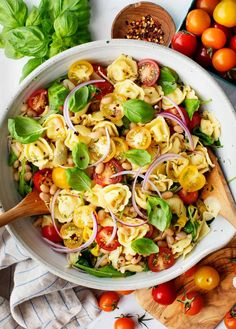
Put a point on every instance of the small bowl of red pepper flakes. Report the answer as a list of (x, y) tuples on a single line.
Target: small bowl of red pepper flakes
[(144, 21)]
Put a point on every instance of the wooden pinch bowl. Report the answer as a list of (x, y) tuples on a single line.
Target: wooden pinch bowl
[(135, 12)]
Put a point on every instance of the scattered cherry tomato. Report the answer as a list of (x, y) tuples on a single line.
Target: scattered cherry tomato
[(191, 179), (225, 13), (234, 264), (149, 71), (195, 122), (207, 278), (125, 292), (108, 301), (207, 5), (161, 261), (103, 88), (191, 271), (184, 42), (124, 322), (176, 113), (165, 293), (139, 138), (49, 232), (80, 71), (191, 303), (103, 237), (226, 30), (197, 21), (59, 178), (38, 100), (203, 57), (213, 38), (72, 235), (40, 177), (111, 167), (230, 318), (232, 43), (224, 59), (188, 197)]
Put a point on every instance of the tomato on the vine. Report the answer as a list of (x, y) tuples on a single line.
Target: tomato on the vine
[(161, 261), (213, 38), (38, 100), (191, 303), (103, 237), (226, 30), (224, 13), (184, 42), (207, 5), (188, 197), (108, 301), (224, 59), (124, 322), (197, 21), (232, 43), (165, 293), (111, 167), (207, 278), (230, 318)]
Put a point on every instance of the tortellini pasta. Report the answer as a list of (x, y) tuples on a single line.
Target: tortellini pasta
[(76, 117), (83, 216), (111, 127), (159, 130), (94, 196), (180, 246), (60, 154), (39, 153), (190, 92), (175, 166), (129, 89), (177, 96), (66, 203), (55, 127), (200, 159), (91, 119), (176, 206), (161, 182), (124, 67), (127, 234), (141, 197), (213, 208), (210, 125), (177, 144), (73, 138), (114, 258), (152, 95), (116, 197)]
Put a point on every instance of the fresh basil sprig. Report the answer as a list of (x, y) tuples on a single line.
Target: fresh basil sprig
[(80, 155), (25, 130), (30, 66), (138, 157), (168, 80), (81, 98), (57, 94), (191, 105), (66, 24), (13, 14), (159, 213), (78, 179), (137, 110), (144, 246), (205, 139)]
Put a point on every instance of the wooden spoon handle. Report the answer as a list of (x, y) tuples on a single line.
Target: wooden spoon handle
[(10, 215)]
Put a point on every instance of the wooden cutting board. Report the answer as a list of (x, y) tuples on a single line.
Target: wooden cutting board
[(217, 301)]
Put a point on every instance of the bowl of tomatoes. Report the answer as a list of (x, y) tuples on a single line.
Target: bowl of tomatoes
[(208, 36)]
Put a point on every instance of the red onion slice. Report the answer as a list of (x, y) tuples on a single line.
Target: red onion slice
[(177, 108), (52, 210), (100, 260), (182, 125), (112, 237), (106, 152), (66, 110), (133, 195), (104, 76)]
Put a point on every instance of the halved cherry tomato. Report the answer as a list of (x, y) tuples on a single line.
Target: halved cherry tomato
[(224, 59), (191, 271), (195, 122), (103, 236), (225, 29), (149, 71), (43, 176), (108, 301), (121, 148), (203, 57), (230, 318), (207, 278), (111, 107), (124, 322), (125, 292), (96, 149), (111, 167), (49, 232), (103, 88), (213, 38), (80, 71), (161, 261), (176, 113), (184, 42), (98, 69), (197, 21), (191, 179), (59, 178), (165, 293), (191, 303), (38, 100), (207, 5), (232, 43), (72, 235), (188, 197), (139, 138)]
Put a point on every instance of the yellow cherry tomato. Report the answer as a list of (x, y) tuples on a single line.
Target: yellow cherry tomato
[(111, 107), (139, 138), (59, 178), (207, 278), (80, 71), (225, 13), (121, 148), (72, 235), (97, 149), (191, 179)]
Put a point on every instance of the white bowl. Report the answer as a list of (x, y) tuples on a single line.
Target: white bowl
[(104, 52)]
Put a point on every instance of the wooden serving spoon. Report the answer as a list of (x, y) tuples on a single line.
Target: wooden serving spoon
[(217, 187), (31, 205)]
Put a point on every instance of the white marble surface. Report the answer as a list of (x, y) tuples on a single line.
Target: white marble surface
[(103, 12)]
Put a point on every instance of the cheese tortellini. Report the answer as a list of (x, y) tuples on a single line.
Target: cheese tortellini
[(55, 127), (210, 125), (39, 153), (152, 95), (177, 96), (116, 197), (66, 204), (127, 234), (176, 206), (124, 67), (175, 166), (159, 129), (129, 89)]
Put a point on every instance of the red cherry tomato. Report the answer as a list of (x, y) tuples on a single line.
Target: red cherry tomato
[(103, 237), (124, 322), (41, 177), (165, 293), (223, 28), (184, 42), (38, 100), (49, 232), (149, 71), (230, 318), (191, 303), (203, 56), (195, 122), (188, 197), (111, 167), (108, 301), (161, 261), (191, 271), (103, 88), (232, 43), (176, 113)]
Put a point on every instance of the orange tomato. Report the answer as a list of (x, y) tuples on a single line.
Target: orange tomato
[(207, 278), (125, 292), (213, 38), (207, 5), (224, 59), (108, 301), (197, 21), (230, 318)]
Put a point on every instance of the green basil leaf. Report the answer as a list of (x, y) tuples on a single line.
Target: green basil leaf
[(138, 157), (168, 80), (107, 271), (78, 179), (60, 6), (25, 130), (12, 157), (188, 228), (13, 13), (66, 24), (34, 17), (205, 139), (159, 213), (191, 106), (137, 111), (10, 51), (144, 246), (80, 155), (30, 66), (56, 47), (23, 188), (79, 99), (57, 94)]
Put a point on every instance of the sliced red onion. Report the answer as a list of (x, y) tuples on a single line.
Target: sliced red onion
[(104, 76), (112, 237), (52, 210), (107, 150), (182, 125), (157, 161), (177, 108), (133, 195), (100, 260), (66, 110)]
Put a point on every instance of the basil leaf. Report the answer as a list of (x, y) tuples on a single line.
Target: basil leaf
[(137, 111), (191, 106), (10, 51), (81, 98), (144, 246), (205, 139), (159, 213), (12, 157), (80, 155), (34, 17), (13, 13), (25, 130), (168, 80), (107, 271), (77, 179), (30, 66), (66, 24), (23, 187), (56, 47), (57, 94), (138, 157)]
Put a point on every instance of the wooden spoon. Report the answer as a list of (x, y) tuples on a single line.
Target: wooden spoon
[(31, 205), (217, 187)]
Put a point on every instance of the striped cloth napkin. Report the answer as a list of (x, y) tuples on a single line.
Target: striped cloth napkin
[(33, 298)]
